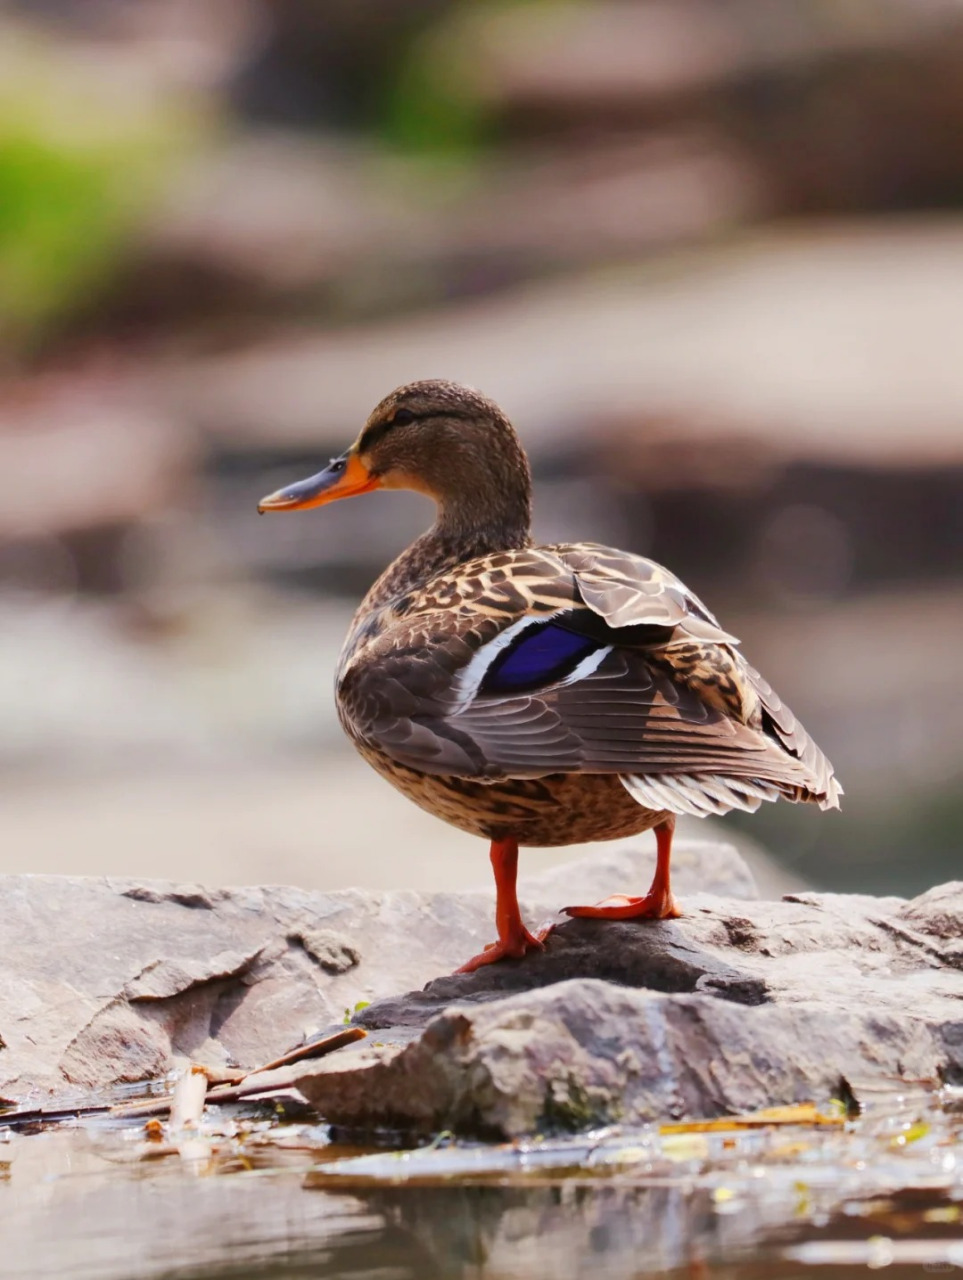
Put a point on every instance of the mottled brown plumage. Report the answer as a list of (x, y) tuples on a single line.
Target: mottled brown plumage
[(541, 695)]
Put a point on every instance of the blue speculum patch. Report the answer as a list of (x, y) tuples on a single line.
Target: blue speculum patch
[(540, 655)]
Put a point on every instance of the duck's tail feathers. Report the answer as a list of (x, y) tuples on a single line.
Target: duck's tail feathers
[(704, 795)]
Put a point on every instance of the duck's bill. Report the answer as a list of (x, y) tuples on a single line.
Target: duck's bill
[(343, 477)]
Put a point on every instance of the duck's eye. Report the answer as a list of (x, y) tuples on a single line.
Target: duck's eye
[(401, 416), (336, 465)]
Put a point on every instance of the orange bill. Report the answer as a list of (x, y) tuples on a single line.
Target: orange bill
[(343, 477)]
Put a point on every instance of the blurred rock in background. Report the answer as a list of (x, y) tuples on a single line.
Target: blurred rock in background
[(705, 254)]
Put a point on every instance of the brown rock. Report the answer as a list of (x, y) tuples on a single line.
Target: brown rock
[(734, 1007), (104, 981), (739, 1004)]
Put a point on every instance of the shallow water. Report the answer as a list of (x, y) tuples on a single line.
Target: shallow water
[(251, 1197)]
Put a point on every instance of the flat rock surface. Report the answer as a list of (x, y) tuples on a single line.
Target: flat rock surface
[(739, 1004), (105, 981)]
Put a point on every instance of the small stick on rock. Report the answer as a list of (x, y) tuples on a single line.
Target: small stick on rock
[(240, 1089), (314, 1049), (219, 1086)]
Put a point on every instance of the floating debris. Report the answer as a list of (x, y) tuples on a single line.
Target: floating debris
[(199, 1086)]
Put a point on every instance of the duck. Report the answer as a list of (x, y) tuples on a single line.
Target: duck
[(541, 695)]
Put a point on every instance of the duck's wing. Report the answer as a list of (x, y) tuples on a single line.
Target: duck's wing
[(579, 659)]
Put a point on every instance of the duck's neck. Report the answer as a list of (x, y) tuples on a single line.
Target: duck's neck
[(475, 525)]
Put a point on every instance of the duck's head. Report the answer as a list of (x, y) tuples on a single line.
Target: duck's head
[(444, 440)]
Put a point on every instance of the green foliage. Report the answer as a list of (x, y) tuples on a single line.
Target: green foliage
[(77, 174), (59, 218), (439, 102), (350, 1013), (433, 104)]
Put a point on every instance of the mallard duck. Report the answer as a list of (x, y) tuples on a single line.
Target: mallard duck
[(541, 695)]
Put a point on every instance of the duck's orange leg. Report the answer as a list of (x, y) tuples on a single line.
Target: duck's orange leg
[(658, 903), (513, 938)]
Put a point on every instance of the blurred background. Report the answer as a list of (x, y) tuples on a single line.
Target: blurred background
[(708, 254)]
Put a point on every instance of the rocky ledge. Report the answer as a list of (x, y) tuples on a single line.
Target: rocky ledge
[(740, 1004)]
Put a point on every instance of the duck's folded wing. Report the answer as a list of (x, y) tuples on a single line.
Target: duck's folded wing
[(625, 680), (607, 709)]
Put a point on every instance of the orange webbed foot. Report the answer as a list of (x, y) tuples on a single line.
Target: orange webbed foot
[(654, 906), (512, 948)]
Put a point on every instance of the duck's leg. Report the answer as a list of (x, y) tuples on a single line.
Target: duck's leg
[(513, 938), (658, 903)]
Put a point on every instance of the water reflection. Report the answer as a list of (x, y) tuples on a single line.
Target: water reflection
[(79, 1206), (245, 1196)]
